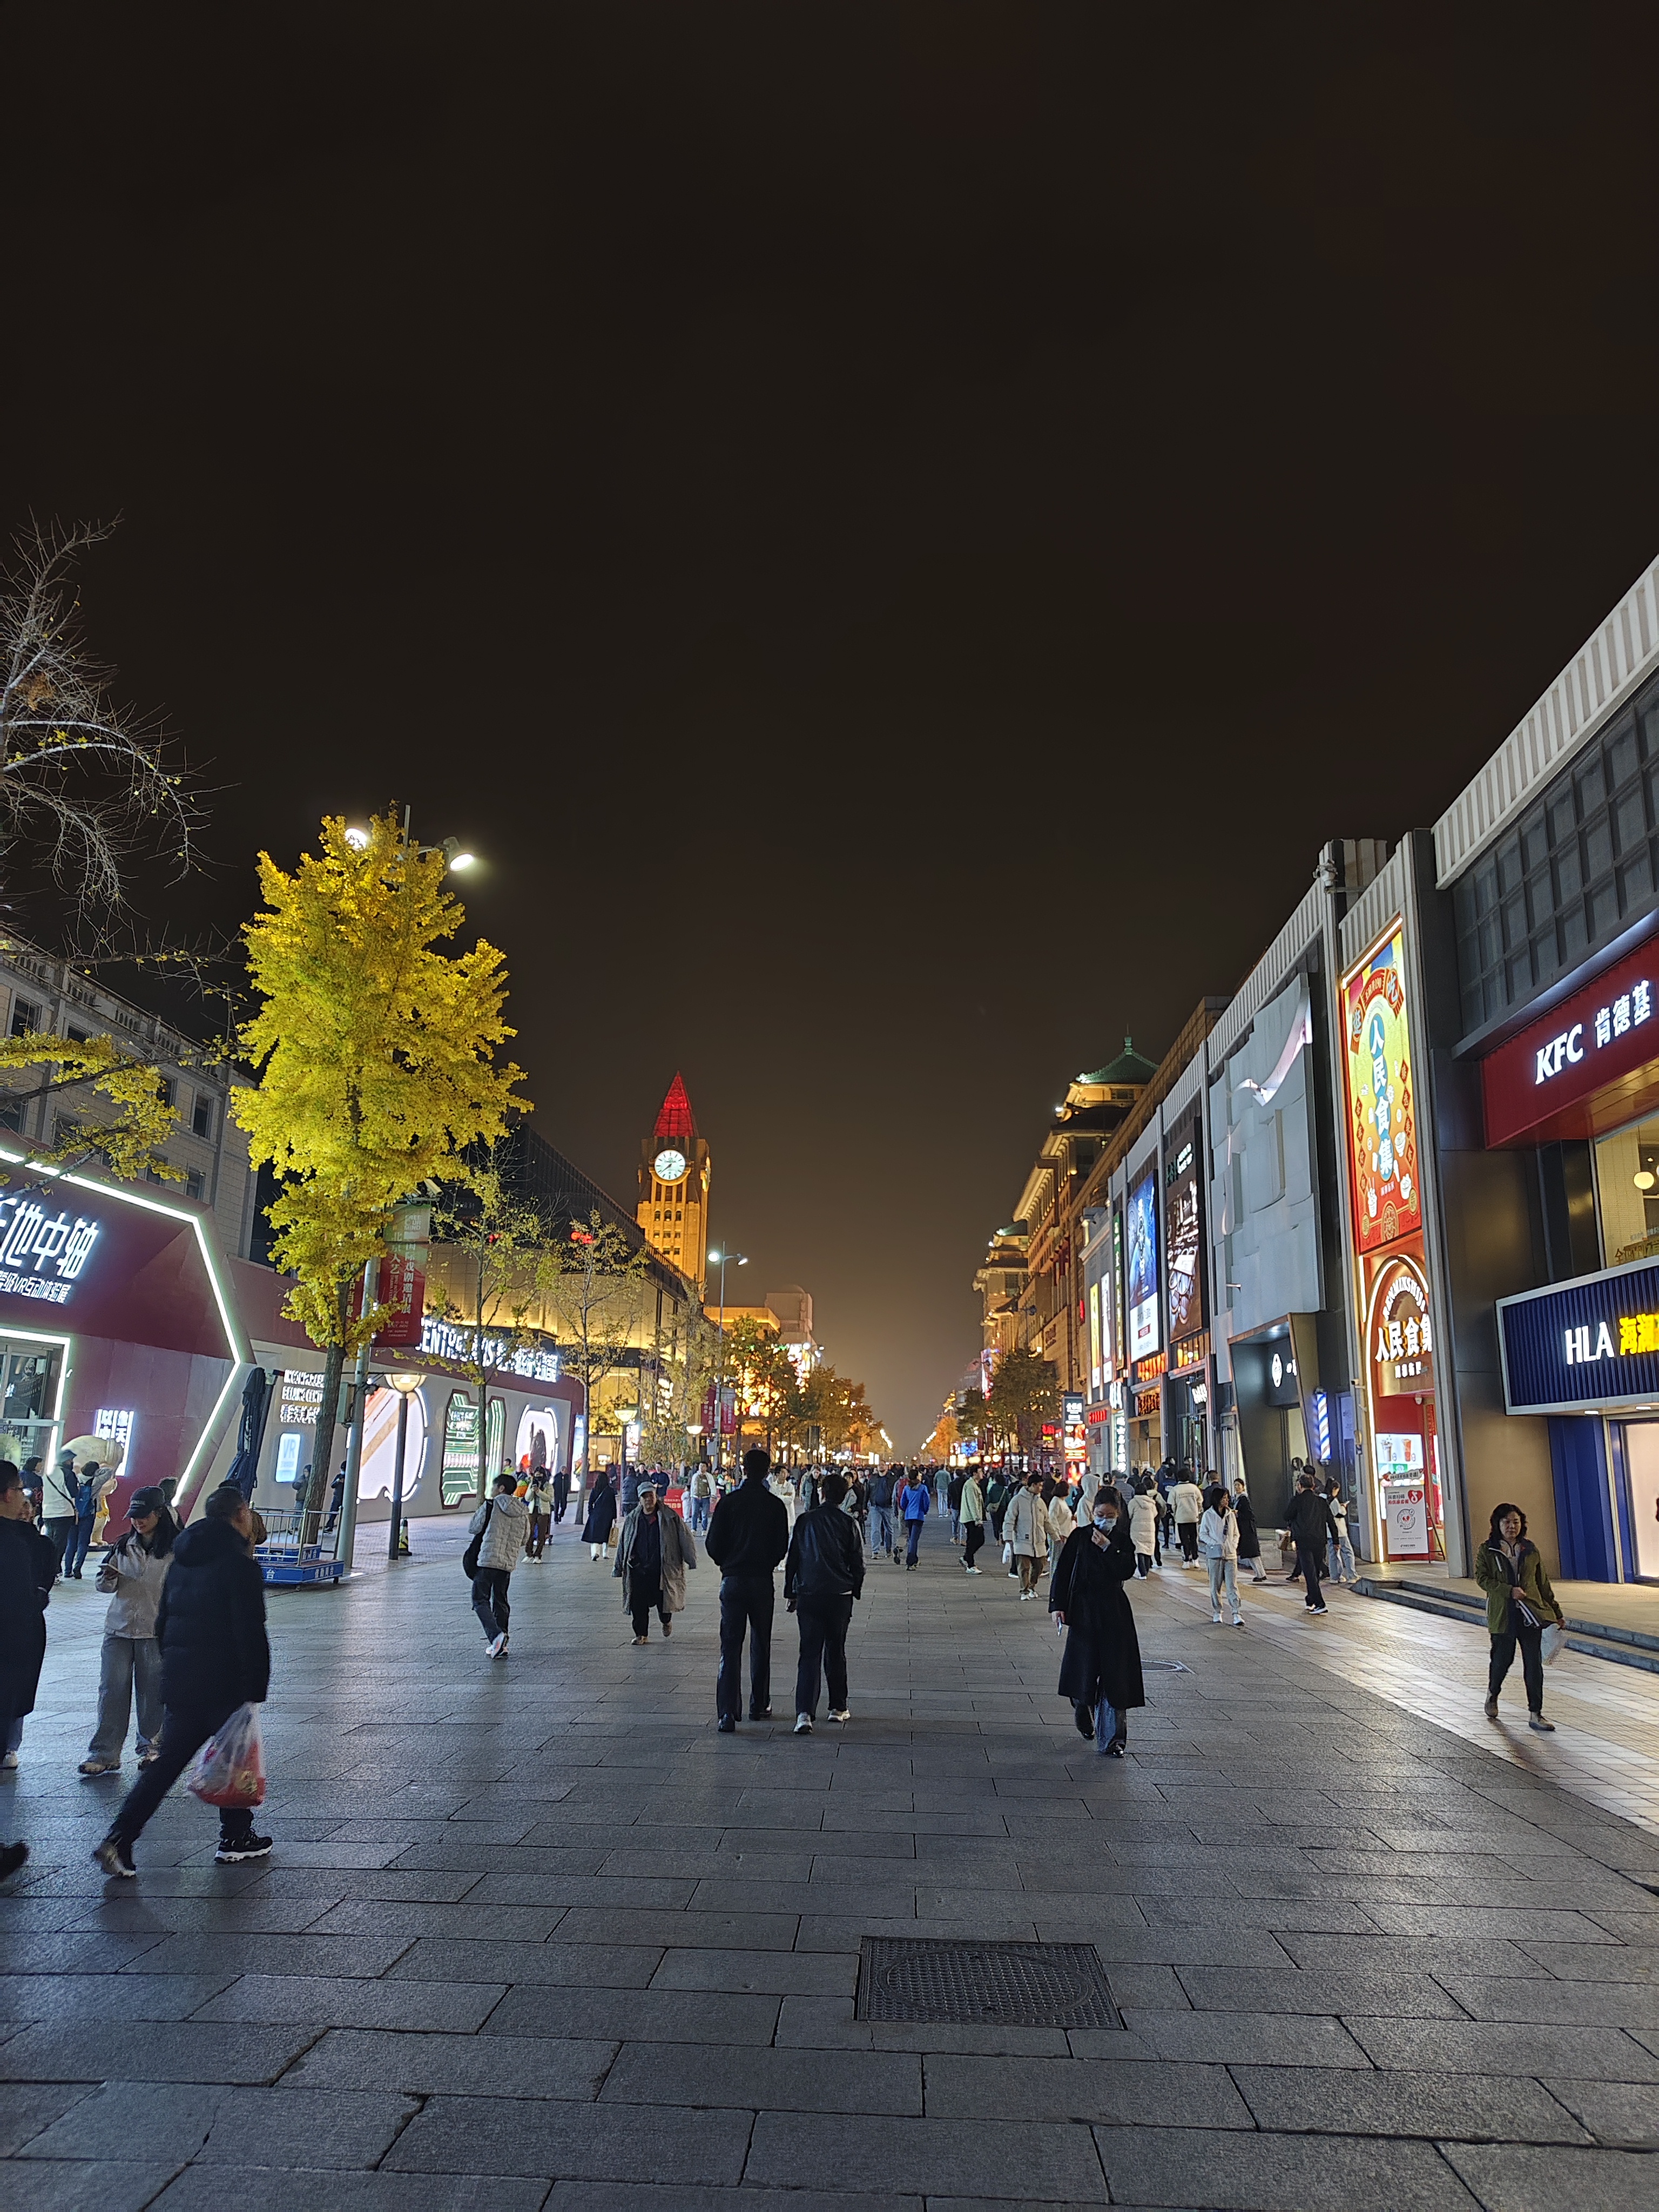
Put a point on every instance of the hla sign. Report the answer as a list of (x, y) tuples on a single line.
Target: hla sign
[(1638, 1333)]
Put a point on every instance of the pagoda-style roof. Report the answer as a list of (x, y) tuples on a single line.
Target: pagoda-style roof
[(676, 1120), (1129, 1066)]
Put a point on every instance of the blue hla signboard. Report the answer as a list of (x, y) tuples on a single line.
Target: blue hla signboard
[(1595, 1342)]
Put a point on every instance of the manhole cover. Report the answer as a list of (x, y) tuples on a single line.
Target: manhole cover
[(983, 1984), (1164, 1666)]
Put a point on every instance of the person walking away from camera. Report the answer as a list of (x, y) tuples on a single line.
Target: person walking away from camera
[(1143, 1530), (953, 1498), (560, 1495), (996, 1502), (29, 1568), (1310, 1524), (1100, 1670), (1061, 1520), (1186, 1503), (1218, 1545), (1341, 1551), (656, 1549), (1025, 1526), (702, 1491), (973, 1521), (601, 1516), (216, 1658), (748, 1535), (89, 1487), (129, 1665), (822, 1575), (881, 1514), (1249, 1537), (914, 1505), (500, 1524), (539, 1499), (1520, 1605)]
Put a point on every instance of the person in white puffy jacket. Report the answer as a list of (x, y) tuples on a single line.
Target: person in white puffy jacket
[(1143, 1530), (1061, 1522), (1218, 1544), (500, 1525)]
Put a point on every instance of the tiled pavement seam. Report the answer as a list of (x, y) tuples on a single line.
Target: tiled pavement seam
[(545, 1983)]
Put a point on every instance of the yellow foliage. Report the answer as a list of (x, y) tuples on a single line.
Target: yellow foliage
[(143, 1120)]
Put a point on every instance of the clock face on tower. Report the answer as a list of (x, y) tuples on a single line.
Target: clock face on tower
[(669, 1165)]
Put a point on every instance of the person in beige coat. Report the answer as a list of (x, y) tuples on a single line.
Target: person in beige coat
[(1025, 1528), (656, 1549)]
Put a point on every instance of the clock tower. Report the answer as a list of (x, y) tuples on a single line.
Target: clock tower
[(674, 1176)]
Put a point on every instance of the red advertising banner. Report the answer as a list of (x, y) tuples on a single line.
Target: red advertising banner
[(403, 1287), (1381, 1095), (1544, 1082)]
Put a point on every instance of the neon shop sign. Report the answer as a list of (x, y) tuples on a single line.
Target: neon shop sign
[(43, 1254), (1616, 1019)]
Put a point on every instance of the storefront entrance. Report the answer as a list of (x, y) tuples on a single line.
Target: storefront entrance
[(31, 1368), (1635, 1496)]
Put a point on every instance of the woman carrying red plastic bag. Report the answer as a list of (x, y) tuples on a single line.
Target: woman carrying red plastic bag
[(216, 1661)]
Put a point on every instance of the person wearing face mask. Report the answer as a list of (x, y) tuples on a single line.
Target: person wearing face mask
[(1100, 1672)]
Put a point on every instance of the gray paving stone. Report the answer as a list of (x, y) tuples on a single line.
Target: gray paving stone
[(1624, 2112), (580, 1965), (758, 2078), (713, 1931), (281, 2189), (330, 1956), (814, 1973), (650, 2015), (1513, 2179), (84, 2185), (107, 1997), (457, 2007), (1574, 1962), (178, 2050), (1536, 2047), (1122, 2091), (491, 1924), (1236, 2039), (574, 2142), (635, 2196), (73, 1955), (420, 2065), (1272, 2172), (827, 2024), (1394, 1993), (178, 2116), (1471, 2107), (1013, 2159), (1591, 2004), (27, 2108)]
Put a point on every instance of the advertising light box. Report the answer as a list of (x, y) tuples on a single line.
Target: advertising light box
[(1593, 1342), (1381, 1080), (1146, 1333)]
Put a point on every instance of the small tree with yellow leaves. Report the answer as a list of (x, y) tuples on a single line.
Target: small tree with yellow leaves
[(376, 1069)]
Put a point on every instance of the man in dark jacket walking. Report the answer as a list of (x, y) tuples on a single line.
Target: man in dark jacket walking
[(823, 1574), (210, 1626), (748, 1534), (1309, 1521), (29, 1568)]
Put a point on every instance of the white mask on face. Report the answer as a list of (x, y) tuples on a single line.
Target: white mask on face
[(1105, 1520)]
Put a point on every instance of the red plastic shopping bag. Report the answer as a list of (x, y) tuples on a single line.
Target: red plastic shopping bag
[(230, 1767)]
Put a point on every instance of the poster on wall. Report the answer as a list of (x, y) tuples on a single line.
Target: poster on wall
[(1184, 1231), (1405, 1520), (1381, 1081), (1116, 1337), (1094, 1339), (1141, 1236)]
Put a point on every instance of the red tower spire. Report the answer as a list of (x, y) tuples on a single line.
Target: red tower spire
[(676, 1121)]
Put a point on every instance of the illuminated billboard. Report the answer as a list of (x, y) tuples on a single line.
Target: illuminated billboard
[(1381, 1080), (1140, 1235)]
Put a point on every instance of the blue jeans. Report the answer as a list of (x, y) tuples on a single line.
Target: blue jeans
[(79, 1544), (881, 1531), (1105, 1727), (699, 1514), (912, 1538), (1340, 1551)]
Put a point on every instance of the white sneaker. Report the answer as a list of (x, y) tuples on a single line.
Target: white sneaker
[(1238, 1620), (1215, 1620), (10, 1762), (803, 1724), (495, 1646), (845, 1714), (972, 1570)]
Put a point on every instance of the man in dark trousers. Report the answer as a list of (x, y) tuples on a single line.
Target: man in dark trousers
[(1309, 1521), (824, 1574), (210, 1626), (747, 1536)]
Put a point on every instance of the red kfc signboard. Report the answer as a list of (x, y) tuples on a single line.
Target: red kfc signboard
[(1545, 1082)]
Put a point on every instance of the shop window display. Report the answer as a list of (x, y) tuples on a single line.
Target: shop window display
[(1627, 1193)]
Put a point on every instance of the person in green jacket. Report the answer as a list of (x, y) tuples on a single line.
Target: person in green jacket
[(1520, 1605)]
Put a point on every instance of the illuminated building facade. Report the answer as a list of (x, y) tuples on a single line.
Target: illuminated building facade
[(674, 1176)]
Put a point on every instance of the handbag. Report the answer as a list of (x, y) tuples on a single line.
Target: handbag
[(470, 1557)]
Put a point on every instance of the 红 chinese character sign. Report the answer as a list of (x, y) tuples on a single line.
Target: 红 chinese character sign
[(1382, 1099), (44, 1248)]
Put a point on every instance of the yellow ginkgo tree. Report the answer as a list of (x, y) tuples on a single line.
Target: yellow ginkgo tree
[(376, 1056)]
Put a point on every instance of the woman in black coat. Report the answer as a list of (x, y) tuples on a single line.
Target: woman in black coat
[(1101, 1670), (28, 1567), (601, 1516), (1249, 1537)]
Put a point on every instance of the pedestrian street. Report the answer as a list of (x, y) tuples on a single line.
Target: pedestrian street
[(533, 1935)]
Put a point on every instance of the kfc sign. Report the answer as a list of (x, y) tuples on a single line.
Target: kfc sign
[(1542, 1083)]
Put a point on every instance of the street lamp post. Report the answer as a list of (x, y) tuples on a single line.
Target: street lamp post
[(405, 1386), (738, 1260)]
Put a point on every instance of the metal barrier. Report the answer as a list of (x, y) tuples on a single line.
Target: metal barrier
[(284, 1559)]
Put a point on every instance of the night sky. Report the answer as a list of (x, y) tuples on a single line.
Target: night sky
[(894, 532)]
